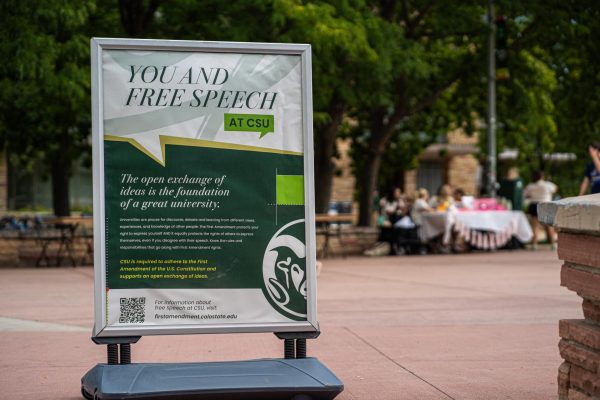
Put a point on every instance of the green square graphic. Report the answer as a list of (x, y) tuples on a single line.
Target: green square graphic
[(290, 190)]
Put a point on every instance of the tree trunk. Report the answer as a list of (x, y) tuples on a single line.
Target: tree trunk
[(324, 153), (369, 184), (60, 186), (382, 130), (137, 15), (324, 171)]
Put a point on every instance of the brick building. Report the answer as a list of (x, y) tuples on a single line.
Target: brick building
[(452, 163), (344, 181)]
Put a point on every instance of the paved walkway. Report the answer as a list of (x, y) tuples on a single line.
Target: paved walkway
[(476, 326)]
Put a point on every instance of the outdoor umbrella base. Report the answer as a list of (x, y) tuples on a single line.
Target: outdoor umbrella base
[(266, 379)]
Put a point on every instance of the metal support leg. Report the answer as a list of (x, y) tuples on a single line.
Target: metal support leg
[(294, 343), (112, 347), (112, 351), (125, 353), (300, 348), (288, 348)]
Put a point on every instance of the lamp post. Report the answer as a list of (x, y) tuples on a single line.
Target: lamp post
[(491, 112)]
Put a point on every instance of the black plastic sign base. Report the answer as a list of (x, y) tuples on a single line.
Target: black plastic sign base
[(267, 379)]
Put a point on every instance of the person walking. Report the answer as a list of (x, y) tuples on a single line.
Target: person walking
[(536, 192), (591, 176)]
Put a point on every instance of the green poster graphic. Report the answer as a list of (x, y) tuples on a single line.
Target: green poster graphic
[(249, 123), (202, 227), (206, 220)]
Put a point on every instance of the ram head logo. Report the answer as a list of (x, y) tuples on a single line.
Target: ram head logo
[(284, 273)]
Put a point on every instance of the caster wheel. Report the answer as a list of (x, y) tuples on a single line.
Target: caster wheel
[(85, 394)]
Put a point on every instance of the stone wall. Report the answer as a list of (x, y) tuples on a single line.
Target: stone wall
[(410, 181), (343, 181), (577, 220), (462, 173), (462, 168), (16, 252)]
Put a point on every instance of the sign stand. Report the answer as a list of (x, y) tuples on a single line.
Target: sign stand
[(293, 377), (204, 215)]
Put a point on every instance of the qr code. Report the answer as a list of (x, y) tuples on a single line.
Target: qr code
[(133, 310)]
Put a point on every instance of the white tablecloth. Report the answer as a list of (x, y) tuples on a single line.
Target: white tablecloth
[(500, 226)]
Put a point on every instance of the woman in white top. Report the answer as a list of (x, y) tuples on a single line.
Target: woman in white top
[(420, 206), (537, 192)]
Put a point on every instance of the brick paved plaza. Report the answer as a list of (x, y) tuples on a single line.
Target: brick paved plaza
[(474, 326)]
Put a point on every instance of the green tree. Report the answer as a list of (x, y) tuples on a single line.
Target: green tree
[(137, 16), (396, 75), (527, 111), (45, 86), (548, 105), (437, 81), (428, 50), (576, 62), (343, 55)]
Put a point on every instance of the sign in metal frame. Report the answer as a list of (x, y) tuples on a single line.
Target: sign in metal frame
[(98, 47)]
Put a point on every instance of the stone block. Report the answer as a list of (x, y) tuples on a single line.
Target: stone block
[(586, 381), (579, 249), (575, 394), (591, 310), (579, 355), (580, 214), (343, 182), (582, 280), (563, 380), (547, 212), (582, 332)]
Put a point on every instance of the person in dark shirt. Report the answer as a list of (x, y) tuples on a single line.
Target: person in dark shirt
[(591, 176)]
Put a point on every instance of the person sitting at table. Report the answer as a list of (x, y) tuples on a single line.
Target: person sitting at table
[(444, 200), (420, 206), (457, 196), (393, 209), (394, 206), (536, 192)]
